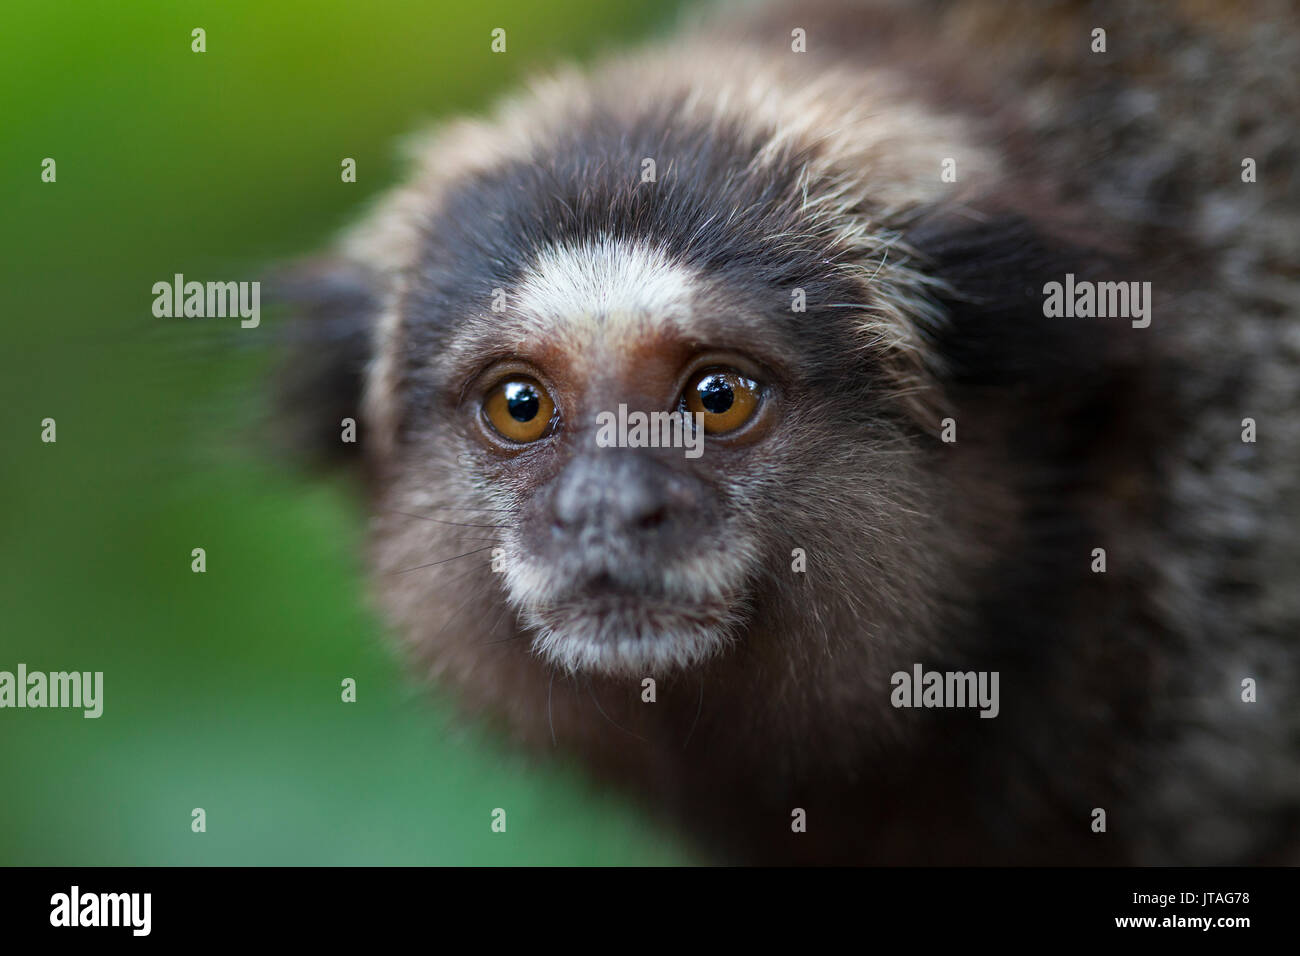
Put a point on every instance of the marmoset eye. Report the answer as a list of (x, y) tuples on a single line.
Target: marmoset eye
[(519, 409), (726, 398)]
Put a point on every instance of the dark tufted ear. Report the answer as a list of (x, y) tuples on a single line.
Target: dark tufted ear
[(996, 333), (331, 307), (1072, 398)]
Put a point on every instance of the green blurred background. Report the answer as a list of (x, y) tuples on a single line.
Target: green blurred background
[(222, 690)]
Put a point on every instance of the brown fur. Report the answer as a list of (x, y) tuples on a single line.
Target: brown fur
[(1122, 690)]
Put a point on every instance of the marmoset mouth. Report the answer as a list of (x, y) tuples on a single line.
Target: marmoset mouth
[(624, 632), (640, 605)]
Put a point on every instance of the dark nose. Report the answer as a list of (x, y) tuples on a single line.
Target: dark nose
[(616, 492)]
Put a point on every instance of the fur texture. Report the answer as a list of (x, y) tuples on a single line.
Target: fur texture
[(820, 171)]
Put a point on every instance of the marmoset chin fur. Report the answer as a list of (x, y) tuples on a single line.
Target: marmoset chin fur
[(836, 262)]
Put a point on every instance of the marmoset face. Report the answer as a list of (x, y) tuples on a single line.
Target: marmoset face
[(614, 410), (632, 433), (616, 552)]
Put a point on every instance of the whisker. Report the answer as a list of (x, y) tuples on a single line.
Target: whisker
[(699, 709), (592, 694), (505, 640), (432, 564), (550, 720), (465, 508), (473, 596), (475, 538), (458, 524), (477, 569)]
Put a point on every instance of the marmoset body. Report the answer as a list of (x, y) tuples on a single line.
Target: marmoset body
[(986, 333)]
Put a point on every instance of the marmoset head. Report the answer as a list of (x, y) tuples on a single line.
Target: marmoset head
[(719, 236)]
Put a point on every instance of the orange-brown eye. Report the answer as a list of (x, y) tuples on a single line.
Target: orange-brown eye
[(520, 409), (725, 397)]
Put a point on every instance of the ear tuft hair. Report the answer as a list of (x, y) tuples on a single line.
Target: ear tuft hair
[(992, 272), (327, 344)]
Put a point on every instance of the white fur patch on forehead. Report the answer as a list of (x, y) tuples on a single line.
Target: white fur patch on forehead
[(609, 284)]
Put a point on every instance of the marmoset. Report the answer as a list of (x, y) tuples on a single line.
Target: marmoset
[(982, 322)]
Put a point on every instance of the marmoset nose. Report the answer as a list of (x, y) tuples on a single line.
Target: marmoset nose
[(616, 492)]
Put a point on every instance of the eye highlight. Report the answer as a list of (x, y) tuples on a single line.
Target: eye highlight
[(519, 409), (726, 398)]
